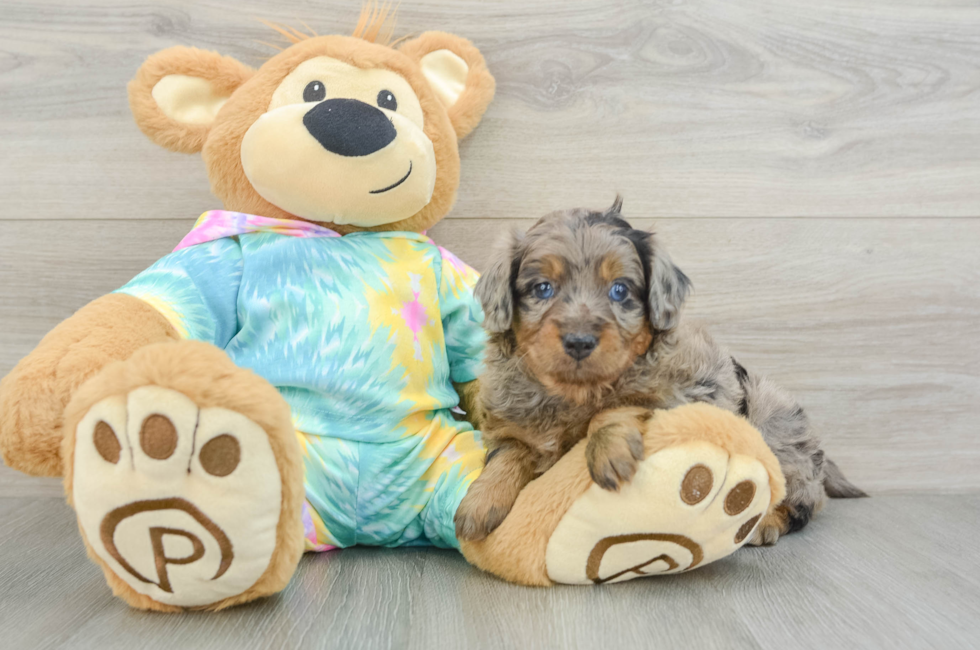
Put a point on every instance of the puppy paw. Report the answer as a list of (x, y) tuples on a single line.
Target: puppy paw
[(482, 510), (770, 529), (613, 453), (181, 503)]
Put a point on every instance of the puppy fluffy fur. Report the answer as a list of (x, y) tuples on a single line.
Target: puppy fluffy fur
[(586, 339)]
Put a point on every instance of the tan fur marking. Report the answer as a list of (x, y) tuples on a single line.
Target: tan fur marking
[(611, 268), (552, 267)]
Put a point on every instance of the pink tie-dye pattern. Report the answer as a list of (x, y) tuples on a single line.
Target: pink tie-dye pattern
[(217, 224), (415, 315), (457, 263), (309, 531)]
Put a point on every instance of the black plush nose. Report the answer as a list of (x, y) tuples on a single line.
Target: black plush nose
[(579, 346), (348, 127)]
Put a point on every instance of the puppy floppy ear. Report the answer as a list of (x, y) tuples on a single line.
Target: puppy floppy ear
[(495, 288), (177, 93), (669, 288), (457, 74)]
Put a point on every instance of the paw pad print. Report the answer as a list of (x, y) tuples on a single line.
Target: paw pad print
[(687, 505), (181, 502)]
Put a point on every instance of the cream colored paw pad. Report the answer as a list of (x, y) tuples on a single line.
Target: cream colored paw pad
[(182, 503), (687, 506)]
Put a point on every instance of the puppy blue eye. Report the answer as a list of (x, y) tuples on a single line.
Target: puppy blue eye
[(618, 292), (543, 290)]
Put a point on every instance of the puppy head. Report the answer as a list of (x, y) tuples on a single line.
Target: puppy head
[(581, 296)]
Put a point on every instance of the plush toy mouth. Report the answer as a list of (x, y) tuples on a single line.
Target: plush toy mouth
[(391, 187)]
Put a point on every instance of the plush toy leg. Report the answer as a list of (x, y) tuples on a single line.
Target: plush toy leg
[(706, 480), (186, 476)]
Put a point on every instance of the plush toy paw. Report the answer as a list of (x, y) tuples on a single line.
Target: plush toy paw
[(687, 505), (702, 485), (181, 503)]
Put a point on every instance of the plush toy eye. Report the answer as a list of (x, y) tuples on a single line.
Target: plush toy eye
[(543, 290), (618, 292), (314, 92), (386, 99)]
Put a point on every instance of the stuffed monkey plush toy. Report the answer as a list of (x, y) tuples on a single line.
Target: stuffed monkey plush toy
[(285, 379)]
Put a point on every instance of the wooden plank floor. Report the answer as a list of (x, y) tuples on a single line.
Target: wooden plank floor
[(814, 167), (890, 572)]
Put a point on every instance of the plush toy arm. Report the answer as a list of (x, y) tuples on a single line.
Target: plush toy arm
[(34, 395), (190, 294)]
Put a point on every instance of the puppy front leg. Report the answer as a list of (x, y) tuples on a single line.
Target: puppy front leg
[(615, 445), (510, 466)]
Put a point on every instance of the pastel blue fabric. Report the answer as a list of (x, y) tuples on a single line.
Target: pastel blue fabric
[(364, 336)]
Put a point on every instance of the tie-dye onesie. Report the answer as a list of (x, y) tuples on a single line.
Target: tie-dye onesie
[(363, 335)]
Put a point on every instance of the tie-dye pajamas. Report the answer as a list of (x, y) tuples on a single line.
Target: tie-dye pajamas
[(363, 336)]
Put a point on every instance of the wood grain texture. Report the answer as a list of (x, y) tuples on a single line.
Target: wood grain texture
[(899, 571), (691, 108), (871, 323)]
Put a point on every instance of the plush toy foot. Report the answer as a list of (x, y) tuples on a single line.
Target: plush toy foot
[(705, 482), (707, 503), (185, 475)]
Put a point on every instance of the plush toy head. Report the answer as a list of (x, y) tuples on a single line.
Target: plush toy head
[(339, 130)]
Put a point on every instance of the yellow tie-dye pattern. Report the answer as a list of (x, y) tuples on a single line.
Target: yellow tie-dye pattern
[(413, 351), (460, 280), (462, 453)]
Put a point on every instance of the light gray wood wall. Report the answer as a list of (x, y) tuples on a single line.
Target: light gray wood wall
[(815, 168)]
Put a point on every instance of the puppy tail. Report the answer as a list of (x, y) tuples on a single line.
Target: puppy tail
[(837, 486)]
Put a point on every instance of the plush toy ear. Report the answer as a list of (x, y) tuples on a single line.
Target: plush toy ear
[(457, 73), (177, 93)]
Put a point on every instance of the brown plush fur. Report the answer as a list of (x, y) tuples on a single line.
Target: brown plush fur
[(516, 550), (34, 395), (207, 376)]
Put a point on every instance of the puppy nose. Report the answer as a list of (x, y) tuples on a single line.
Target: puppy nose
[(579, 346), (348, 127)]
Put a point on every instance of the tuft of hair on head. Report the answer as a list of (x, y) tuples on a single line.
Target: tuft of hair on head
[(376, 23), (611, 216), (291, 34), (617, 205)]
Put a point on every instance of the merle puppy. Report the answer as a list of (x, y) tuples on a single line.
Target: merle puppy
[(586, 338)]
